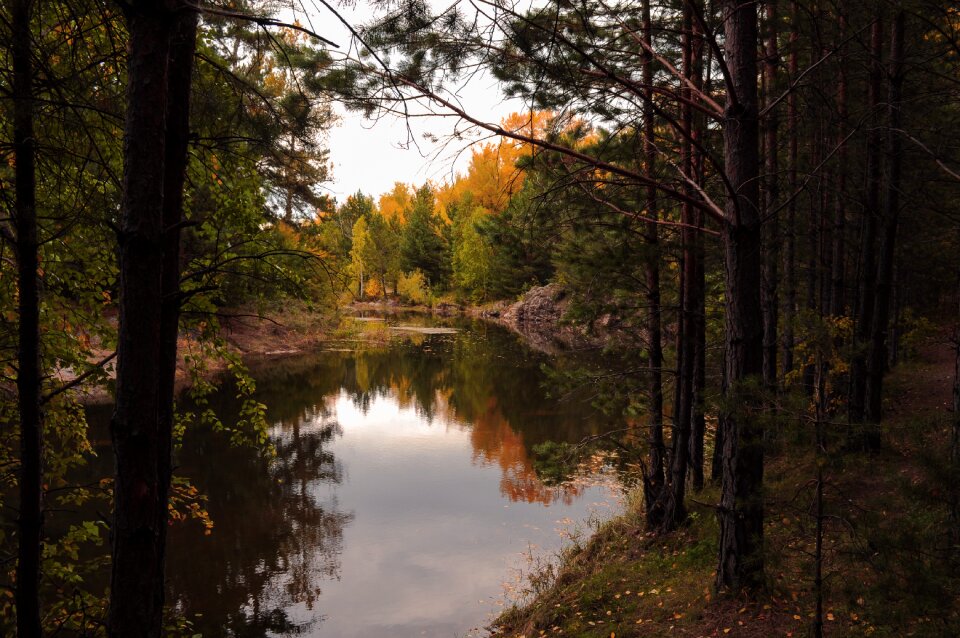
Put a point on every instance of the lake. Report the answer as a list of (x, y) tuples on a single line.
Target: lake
[(402, 500)]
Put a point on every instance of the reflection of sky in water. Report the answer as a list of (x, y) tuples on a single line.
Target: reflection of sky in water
[(432, 537), (375, 519)]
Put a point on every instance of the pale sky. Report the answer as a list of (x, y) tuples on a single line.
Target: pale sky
[(372, 155)]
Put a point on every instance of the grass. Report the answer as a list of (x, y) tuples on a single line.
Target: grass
[(888, 568)]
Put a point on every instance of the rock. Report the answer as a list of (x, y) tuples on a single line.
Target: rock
[(540, 317)]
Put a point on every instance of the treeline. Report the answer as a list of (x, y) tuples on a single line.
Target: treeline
[(468, 240)]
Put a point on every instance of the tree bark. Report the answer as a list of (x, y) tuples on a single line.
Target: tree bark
[(868, 236), (674, 494), (838, 276), (955, 437), (877, 358), (136, 584), (789, 252), (741, 502), (179, 81), (654, 480), (698, 285), (29, 367), (771, 226)]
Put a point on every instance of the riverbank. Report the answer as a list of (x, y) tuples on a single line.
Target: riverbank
[(541, 316), (883, 545), (251, 334)]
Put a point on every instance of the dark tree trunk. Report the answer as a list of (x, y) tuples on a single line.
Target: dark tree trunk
[(716, 465), (136, 585), (838, 277), (654, 480), (740, 513), (789, 253), (877, 359), (771, 226), (868, 238), (698, 286), (813, 233), (672, 497), (698, 428), (179, 80), (896, 323), (30, 522), (955, 439)]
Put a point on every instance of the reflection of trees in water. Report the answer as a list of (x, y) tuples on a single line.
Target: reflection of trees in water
[(480, 379), (274, 543)]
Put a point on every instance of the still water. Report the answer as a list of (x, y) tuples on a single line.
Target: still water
[(402, 501)]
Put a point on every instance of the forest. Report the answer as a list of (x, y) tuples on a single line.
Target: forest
[(749, 210)]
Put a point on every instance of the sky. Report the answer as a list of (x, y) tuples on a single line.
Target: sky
[(370, 155)]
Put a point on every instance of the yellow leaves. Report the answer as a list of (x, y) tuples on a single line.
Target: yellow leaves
[(394, 204), (275, 83)]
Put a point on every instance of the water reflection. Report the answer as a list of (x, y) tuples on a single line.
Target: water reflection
[(274, 542), (401, 492)]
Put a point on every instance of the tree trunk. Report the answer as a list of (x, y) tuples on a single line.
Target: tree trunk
[(868, 235), (741, 503), (179, 81), (136, 585), (698, 284), (654, 480), (838, 277), (30, 522), (771, 226), (674, 509), (789, 253), (955, 440), (877, 358)]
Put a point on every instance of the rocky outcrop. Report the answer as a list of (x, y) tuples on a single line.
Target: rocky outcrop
[(540, 317)]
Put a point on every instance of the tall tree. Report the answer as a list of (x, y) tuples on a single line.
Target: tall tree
[(183, 46), (674, 493), (654, 479), (838, 276), (741, 501), (790, 239), (866, 291), (422, 246), (158, 76), (771, 194), (877, 358), (30, 524)]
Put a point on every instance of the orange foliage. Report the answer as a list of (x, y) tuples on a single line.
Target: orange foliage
[(494, 441), (394, 205), (492, 176)]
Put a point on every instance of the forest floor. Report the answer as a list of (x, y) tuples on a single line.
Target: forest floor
[(885, 551)]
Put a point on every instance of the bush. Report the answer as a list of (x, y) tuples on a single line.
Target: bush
[(413, 287)]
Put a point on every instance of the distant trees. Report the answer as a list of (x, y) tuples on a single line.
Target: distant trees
[(421, 247)]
